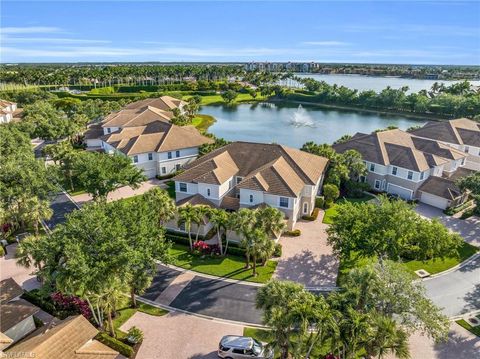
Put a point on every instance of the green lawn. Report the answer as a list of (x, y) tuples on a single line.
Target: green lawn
[(474, 330), (230, 266), (432, 266), (217, 99), (125, 313), (332, 211), (439, 265), (203, 122)]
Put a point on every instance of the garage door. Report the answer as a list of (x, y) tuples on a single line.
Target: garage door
[(433, 200), (150, 173), (400, 191)]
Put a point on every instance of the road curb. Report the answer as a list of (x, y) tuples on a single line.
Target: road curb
[(450, 270), (239, 281), (202, 316), (462, 316)]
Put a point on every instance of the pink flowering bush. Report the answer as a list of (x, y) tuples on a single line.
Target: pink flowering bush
[(204, 248), (71, 304)]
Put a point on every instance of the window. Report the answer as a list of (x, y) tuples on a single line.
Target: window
[(239, 179), (135, 159), (362, 179), (183, 187), (305, 208), (109, 130), (377, 184), (394, 171), (164, 170), (284, 202), (467, 149), (150, 156), (463, 161), (177, 167), (251, 198), (182, 226), (372, 167), (238, 351), (177, 153), (208, 192), (410, 175), (169, 155), (422, 175)]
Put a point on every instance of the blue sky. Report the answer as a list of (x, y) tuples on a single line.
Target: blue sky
[(441, 32)]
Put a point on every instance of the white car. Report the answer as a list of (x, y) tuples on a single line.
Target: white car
[(237, 347)]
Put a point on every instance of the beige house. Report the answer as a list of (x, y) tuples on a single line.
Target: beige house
[(7, 111), (145, 134), (462, 134), (72, 338), (409, 166), (247, 175)]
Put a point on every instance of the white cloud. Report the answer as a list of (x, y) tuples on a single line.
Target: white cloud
[(50, 40), (325, 43), (29, 30)]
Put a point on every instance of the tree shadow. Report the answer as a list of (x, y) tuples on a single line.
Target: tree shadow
[(211, 355), (308, 269), (471, 266), (458, 346), (473, 298)]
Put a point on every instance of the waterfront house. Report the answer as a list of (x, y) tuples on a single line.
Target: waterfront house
[(248, 175), (146, 135), (411, 167), (462, 134)]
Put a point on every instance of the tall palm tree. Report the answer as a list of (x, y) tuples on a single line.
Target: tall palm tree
[(242, 222), (29, 253), (202, 213), (160, 202), (38, 211), (109, 299), (258, 246), (219, 219), (271, 220), (187, 215), (387, 338)]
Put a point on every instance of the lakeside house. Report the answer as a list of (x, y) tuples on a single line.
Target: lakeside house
[(462, 134), (8, 111), (145, 134), (249, 175), (414, 168), (72, 338)]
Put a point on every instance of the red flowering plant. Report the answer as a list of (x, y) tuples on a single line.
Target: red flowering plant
[(204, 248), (71, 304)]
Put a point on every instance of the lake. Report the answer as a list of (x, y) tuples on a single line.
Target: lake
[(292, 125), (377, 83)]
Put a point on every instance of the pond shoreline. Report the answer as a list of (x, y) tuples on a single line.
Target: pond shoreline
[(415, 116)]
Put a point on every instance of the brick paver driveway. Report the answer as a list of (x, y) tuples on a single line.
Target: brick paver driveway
[(179, 336), (308, 259), (124, 192), (21, 275)]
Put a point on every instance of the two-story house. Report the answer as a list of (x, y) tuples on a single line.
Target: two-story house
[(462, 134), (408, 166), (247, 175)]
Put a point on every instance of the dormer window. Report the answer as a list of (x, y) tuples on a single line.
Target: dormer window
[(135, 159), (372, 167), (394, 171), (109, 130), (422, 175), (467, 149), (150, 156), (239, 179), (208, 192), (410, 175), (169, 155), (251, 198)]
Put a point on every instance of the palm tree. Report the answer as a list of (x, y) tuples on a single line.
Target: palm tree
[(387, 338), (219, 219), (29, 253), (258, 246), (38, 211), (108, 299), (202, 213), (242, 222), (160, 202), (187, 215), (271, 220)]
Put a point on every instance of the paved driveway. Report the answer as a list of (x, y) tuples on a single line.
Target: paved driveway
[(124, 192), (469, 229), (179, 336), (21, 275), (61, 206), (308, 259)]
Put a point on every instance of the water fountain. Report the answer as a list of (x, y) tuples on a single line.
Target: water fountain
[(301, 118)]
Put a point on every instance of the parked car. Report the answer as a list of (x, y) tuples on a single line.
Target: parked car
[(237, 347)]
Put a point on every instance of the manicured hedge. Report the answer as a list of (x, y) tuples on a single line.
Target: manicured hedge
[(115, 344), (313, 216), (319, 202), (294, 233), (278, 250)]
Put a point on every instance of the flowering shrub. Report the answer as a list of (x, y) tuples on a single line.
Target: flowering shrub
[(204, 248), (70, 303)]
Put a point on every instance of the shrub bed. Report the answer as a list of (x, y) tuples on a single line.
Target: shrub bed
[(319, 202), (115, 344), (278, 250), (313, 216), (294, 233)]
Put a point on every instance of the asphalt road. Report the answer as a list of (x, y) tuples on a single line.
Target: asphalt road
[(457, 292), (61, 206)]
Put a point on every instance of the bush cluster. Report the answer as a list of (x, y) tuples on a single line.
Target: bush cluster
[(294, 233), (278, 250), (313, 216), (115, 344)]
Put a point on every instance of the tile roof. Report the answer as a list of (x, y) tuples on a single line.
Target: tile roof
[(441, 187), (270, 168), (165, 103), (459, 131), (136, 117), (156, 136), (400, 148), (9, 289), (71, 338), (195, 200), (93, 131), (14, 312)]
